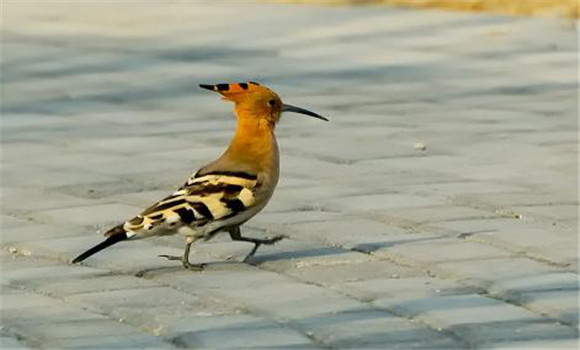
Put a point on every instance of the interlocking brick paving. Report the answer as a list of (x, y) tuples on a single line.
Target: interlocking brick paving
[(437, 209)]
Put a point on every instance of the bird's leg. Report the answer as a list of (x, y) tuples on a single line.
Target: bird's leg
[(236, 235), (185, 258)]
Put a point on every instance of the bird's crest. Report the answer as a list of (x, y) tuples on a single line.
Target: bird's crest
[(232, 91)]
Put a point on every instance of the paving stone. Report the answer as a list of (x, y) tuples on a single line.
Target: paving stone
[(401, 177), (552, 294), (335, 274), (240, 331), (61, 248), (303, 166), (374, 329), (99, 190), (555, 212), (8, 222), (290, 255), (449, 190), (92, 284), (397, 287), (73, 158), (55, 312), (77, 329), (35, 232), (452, 310), (478, 319), (136, 164), (140, 199), (444, 250), (24, 300), (536, 344), (499, 200), (378, 203), (42, 274), (276, 220), (148, 307), (312, 193), (12, 343), (134, 297), (430, 164), (169, 179), (543, 239), (132, 145), (15, 259), (289, 205), (123, 341), (90, 215), (30, 176), (25, 200), (514, 331), (492, 270), (340, 230), (303, 301), (438, 214), (27, 152), (376, 245)]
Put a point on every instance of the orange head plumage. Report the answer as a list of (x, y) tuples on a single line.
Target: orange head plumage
[(254, 100)]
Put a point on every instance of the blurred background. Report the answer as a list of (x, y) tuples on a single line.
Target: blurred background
[(544, 8)]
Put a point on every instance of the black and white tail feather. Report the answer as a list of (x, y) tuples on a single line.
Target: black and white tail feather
[(114, 235)]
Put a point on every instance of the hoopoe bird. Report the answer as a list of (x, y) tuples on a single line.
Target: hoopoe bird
[(224, 194)]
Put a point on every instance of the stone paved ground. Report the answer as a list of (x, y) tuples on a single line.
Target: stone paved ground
[(469, 243)]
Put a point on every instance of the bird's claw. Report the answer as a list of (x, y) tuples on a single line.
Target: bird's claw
[(194, 267), (186, 264), (171, 257), (275, 239)]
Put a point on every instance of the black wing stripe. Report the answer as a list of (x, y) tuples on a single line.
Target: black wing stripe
[(186, 215), (235, 205), (163, 206), (202, 209), (206, 190)]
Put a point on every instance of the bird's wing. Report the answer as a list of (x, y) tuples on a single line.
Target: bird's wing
[(202, 199)]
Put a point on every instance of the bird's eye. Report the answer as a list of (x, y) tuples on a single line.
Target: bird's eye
[(272, 103)]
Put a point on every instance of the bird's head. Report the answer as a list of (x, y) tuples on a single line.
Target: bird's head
[(257, 101)]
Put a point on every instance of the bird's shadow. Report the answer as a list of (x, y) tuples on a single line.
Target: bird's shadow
[(153, 272), (260, 259)]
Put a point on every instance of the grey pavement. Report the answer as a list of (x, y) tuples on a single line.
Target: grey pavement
[(437, 209)]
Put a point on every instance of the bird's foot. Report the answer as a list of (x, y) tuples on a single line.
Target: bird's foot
[(186, 264), (193, 267), (269, 241), (171, 257), (258, 242)]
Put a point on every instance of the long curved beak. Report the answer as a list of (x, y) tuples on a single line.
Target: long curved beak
[(290, 108)]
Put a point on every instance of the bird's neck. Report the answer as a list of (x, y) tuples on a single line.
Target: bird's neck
[(254, 143)]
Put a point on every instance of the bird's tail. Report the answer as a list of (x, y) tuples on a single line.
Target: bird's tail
[(114, 235)]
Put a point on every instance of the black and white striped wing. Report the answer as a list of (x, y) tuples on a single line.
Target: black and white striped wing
[(202, 199)]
